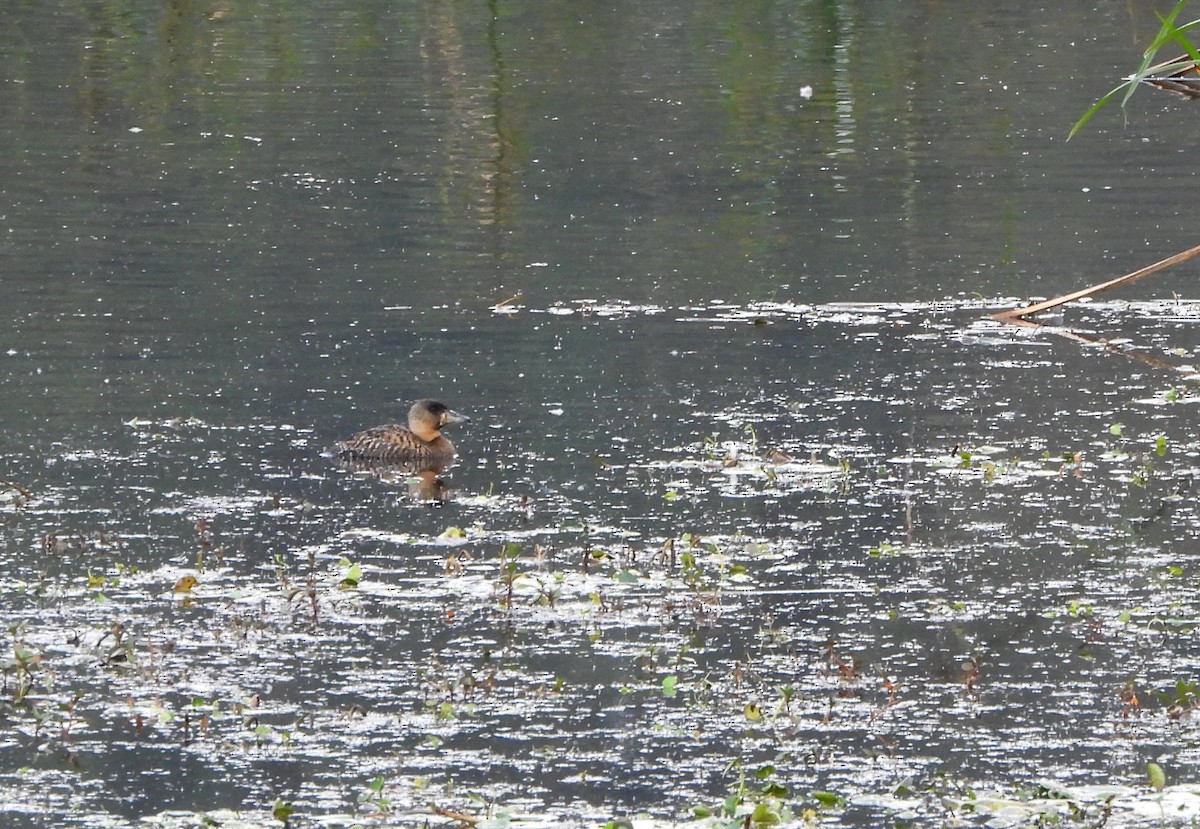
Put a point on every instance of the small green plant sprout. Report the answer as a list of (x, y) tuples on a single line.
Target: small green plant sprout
[(670, 686), (1181, 699), (786, 694), (771, 476), (282, 811), (282, 566), (595, 555), (885, 548), (752, 804), (618, 823), (21, 667), (1160, 445), (752, 436), (1117, 430), (1079, 610), (1141, 476), (510, 573), (125, 569), (627, 577), (692, 572), (98, 582), (1076, 609), (549, 589), (351, 574), (829, 801), (1168, 34), (1156, 776), (374, 798)]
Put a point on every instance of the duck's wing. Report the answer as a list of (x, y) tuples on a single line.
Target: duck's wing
[(381, 443)]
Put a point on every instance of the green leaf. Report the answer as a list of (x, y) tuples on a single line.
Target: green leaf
[(351, 576), (670, 686), (829, 800), (1096, 107), (764, 815), (1158, 778), (1168, 33)]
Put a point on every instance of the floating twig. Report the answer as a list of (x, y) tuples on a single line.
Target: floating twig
[(1018, 315), (1180, 75), (509, 301), (469, 820), (17, 488)]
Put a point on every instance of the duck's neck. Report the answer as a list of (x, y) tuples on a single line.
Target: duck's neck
[(424, 431)]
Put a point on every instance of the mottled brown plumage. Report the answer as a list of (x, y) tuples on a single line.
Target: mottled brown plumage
[(421, 442)]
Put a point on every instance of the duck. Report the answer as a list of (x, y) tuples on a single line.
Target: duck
[(420, 444)]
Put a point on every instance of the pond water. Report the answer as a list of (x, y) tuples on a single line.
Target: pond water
[(759, 520)]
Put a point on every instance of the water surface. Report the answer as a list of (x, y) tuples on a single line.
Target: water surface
[(754, 492)]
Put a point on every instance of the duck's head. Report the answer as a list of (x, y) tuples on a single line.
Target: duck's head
[(427, 417)]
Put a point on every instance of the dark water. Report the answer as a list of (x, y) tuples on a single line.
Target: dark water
[(753, 493)]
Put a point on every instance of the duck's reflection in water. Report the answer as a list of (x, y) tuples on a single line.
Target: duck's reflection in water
[(424, 480)]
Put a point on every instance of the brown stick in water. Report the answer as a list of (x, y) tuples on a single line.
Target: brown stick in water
[(1018, 315), (509, 301)]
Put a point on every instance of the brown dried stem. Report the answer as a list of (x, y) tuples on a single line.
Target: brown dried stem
[(1018, 315)]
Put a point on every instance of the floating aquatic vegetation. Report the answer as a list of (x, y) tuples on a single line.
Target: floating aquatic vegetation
[(824, 578)]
